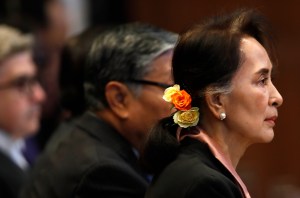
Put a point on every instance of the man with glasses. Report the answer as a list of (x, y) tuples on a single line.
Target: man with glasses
[(20, 107), (128, 68)]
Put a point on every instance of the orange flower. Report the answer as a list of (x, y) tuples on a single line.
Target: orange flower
[(181, 100)]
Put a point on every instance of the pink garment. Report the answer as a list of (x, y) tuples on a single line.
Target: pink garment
[(217, 152)]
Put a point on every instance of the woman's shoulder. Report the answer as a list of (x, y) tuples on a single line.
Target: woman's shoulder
[(195, 170), (196, 163)]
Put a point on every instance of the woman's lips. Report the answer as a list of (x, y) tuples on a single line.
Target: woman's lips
[(271, 120)]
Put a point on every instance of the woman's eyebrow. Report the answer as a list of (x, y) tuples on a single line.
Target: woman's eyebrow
[(263, 71)]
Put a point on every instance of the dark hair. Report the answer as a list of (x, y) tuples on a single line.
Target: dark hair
[(205, 59), (123, 53), (26, 15), (34, 12), (72, 64)]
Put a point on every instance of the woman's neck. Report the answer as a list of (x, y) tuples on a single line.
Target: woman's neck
[(230, 144)]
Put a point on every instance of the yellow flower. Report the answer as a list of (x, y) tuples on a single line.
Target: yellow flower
[(169, 92), (187, 118)]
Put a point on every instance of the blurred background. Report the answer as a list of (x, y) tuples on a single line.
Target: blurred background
[(269, 170)]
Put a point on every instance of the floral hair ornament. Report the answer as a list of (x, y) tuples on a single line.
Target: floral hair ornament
[(185, 116)]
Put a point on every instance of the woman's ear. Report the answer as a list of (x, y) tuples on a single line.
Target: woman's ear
[(215, 103), (118, 97)]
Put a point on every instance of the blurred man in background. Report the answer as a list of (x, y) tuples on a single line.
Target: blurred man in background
[(20, 107), (129, 66)]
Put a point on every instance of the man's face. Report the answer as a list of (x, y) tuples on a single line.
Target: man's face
[(21, 96), (149, 106)]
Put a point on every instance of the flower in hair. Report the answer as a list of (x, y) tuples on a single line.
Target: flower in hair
[(186, 115), (187, 118), (169, 92), (181, 100)]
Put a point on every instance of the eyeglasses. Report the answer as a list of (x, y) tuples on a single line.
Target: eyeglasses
[(23, 84), (147, 82)]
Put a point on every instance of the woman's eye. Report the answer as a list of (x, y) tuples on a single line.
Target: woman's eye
[(264, 81)]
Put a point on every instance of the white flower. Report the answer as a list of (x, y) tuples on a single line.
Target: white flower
[(169, 92), (187, 118)]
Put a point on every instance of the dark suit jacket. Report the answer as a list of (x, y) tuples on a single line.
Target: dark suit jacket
[(195, 173), (89, 159), (12, 177)]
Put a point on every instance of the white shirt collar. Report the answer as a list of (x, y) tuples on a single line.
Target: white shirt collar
[(13, 148)]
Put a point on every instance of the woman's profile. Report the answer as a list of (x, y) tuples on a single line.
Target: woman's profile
[(224, 101)]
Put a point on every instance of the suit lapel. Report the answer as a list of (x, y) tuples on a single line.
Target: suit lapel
[(11, 174)]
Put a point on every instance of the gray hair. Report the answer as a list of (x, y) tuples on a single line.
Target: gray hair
[(122, 54), (13, 41)]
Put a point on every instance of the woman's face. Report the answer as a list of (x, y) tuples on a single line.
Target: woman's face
[(251, 107)]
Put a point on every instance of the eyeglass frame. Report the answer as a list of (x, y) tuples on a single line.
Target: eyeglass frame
[(148, 82), (23, 84)]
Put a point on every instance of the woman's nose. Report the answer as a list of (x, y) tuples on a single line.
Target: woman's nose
[(276, 99)]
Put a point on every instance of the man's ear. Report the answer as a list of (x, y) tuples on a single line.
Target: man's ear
[(118, 97), (215, 103)]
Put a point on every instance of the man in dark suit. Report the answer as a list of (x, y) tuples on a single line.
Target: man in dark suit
[(20, 106), (129, 66)]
